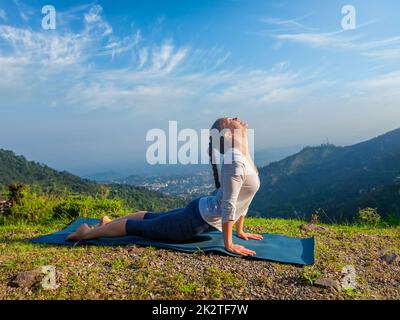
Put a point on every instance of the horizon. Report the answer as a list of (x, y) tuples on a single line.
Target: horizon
[(82, 97), (148, 170)]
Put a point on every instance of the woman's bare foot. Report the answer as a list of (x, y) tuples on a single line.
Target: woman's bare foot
[(102, 222), (105, 220), (79, 234)]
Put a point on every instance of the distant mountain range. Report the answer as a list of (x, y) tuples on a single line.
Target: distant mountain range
[(141, 174), (338, 180), (17, 169), (184, 180)]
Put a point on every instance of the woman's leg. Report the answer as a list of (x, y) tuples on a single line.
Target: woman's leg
[(181, 224), (99, 230), (117, 228), (177, 225), (84, 232), (139, 215)]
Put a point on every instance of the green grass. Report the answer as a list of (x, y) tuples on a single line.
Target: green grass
[(130, 272)]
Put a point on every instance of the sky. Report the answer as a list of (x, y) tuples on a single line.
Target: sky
[(83, 96)]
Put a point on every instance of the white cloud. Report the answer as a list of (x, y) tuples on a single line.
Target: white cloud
[(143, 56), (95, 20), (120, 46), (328, 39), (387, 48), (385, 54), (389, 82), (288, 24), (61, 68), (3, 14), (176, 59), (24, 11), (222, 60), (161, 55), (39, 48)]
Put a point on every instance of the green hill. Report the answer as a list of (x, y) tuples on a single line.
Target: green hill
[(337, 179), (17, 169)]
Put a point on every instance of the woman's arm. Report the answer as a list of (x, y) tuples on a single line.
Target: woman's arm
[(229, 245)]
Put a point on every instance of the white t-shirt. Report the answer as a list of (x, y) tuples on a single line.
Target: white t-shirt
[(239, 183)]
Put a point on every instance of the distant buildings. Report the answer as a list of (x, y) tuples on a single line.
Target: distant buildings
[(183, 185)]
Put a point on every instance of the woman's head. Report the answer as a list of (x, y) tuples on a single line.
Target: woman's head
[(226, 133), (229, 123)]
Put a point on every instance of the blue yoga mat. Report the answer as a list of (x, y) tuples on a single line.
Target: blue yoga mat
[(273, 247)]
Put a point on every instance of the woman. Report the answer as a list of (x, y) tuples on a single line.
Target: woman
[(238, 184)]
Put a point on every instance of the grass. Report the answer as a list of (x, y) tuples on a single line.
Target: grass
[(131, 272)]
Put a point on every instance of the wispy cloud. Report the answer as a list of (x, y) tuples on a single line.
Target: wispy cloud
[(321, 39), (293, 24), (24, 10), (149, 74), (388, 82), (3, 15), (386, 48), (385, 54)]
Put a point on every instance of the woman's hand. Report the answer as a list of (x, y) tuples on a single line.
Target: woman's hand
[(247, 236), (238, 249)]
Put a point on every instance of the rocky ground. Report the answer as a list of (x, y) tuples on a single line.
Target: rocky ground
[(88, 272)]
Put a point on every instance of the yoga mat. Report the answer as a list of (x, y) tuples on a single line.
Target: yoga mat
[(273, 247)]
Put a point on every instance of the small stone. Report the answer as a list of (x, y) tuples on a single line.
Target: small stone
[(26, 279), (389, 257), (327, 283), (44, 277)]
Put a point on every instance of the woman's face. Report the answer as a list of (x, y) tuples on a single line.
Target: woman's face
[(236, 123)]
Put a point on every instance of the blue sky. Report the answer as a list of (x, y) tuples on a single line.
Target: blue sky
[(83, 96)]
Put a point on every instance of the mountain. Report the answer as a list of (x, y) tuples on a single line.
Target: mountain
[(264, 157), (17, 169), (338, 180), (104, 176), (141, 173)]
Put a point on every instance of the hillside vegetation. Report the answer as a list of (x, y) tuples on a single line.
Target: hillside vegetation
[(46, 181), (338, 180)]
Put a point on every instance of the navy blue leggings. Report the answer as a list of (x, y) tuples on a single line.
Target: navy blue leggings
[(175, 225)]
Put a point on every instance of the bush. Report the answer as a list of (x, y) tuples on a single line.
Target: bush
[(17, 191), (31, 207), (369, 216), (87, 206)]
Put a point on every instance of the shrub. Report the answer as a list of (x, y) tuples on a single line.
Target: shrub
[(369, 216), (87, 206), (17, 192), (31, 207)]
